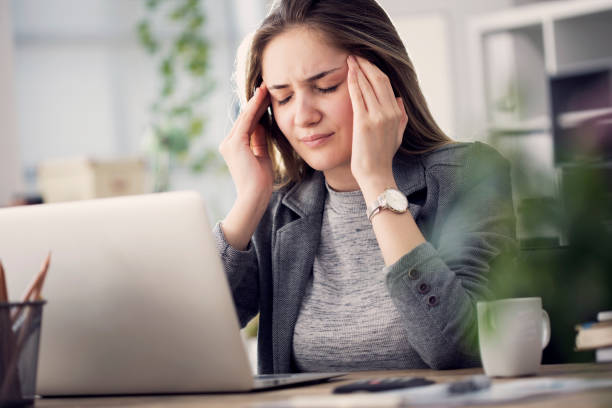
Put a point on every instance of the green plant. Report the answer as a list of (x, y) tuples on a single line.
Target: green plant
[(178, 120), (573, 277)]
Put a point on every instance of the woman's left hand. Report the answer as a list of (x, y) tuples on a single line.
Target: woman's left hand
[(379, 120)]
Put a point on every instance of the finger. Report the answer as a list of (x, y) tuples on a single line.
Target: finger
[(403, 121), (380, 83), (369, 97), (253, 110), (261, 109), (259, 145), (402, 108), (354, 90)]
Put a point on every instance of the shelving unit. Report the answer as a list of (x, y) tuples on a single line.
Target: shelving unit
[(580, 101), (541, 73)]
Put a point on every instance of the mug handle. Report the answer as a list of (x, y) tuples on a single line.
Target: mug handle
[(546, 329)]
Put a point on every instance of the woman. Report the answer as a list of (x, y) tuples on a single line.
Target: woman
[(345, 272)]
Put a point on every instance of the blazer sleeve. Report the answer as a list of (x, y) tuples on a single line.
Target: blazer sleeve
[(436, 289), (241, 269)]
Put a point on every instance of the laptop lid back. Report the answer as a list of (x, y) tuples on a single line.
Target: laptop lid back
[(137, 298)]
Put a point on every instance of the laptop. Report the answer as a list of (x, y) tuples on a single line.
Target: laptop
[(137, 299)]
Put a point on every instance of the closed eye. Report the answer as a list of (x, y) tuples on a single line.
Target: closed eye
[(284, 101), (327, 90), (321, 90)]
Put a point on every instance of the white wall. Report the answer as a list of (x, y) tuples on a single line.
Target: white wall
[(58, 41), (84, 83), (10, 166), (456, 14), (431, 60)]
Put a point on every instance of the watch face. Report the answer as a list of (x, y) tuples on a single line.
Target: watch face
[(396, 200)]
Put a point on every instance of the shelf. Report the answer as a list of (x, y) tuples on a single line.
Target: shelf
[(537, 14), (540, 124), (573, 119), (540, 71), (584, 67), (583, 38)]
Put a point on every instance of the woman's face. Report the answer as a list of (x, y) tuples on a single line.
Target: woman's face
[(307, 79)]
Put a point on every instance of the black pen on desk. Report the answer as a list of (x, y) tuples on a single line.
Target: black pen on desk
[(472, 384)]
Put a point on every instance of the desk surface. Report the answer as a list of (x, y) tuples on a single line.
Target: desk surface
[(593, 398)]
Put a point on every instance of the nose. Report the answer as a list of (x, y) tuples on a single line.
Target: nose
[(307, 113)]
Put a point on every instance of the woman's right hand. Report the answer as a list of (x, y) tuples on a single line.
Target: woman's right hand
[(246, 154)]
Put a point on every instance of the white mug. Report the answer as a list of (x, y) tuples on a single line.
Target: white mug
[(512, 334)]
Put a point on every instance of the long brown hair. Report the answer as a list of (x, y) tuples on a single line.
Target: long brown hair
[(360, 27)]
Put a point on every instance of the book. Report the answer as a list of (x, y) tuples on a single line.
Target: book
[(592, 336), (604, 316), (603, 355), (595, 335)]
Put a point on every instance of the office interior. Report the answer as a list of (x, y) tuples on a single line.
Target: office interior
[(79, 84)]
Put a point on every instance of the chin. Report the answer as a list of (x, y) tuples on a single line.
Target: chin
[(325, 165)]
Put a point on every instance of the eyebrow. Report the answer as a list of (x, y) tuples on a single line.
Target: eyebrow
[(310, 79)]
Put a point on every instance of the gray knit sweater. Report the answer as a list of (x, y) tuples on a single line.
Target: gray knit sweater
[(347, 320)]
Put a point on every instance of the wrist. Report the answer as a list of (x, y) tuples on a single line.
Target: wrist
[(253, 201), (373, 186), (242, 220)]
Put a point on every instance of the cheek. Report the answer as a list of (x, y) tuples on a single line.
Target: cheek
[(282, 120), (343, 111)]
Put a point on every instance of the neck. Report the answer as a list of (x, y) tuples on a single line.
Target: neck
[(341, 178)]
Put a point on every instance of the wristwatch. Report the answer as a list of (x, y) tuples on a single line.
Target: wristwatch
[(390, 199)]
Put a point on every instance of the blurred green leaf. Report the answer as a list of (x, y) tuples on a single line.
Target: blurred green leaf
[(196, 126), (183, 64), (152, 4), (181, 110), (188, 6), (175, 140), (251, 328), (167, 67), (168, 88), (196, 22), (204, 160), (146, 38)]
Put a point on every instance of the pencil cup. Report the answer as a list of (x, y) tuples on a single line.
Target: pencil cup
[(20, 325)]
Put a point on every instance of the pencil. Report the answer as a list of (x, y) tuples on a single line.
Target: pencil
[(37, 292), (35, 287), (38, 280)]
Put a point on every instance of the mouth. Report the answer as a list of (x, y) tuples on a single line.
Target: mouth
[(317, 139)]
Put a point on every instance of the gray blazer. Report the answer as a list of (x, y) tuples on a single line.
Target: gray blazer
[(460, 197)]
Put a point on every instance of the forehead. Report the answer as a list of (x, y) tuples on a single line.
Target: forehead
[(297, 54)]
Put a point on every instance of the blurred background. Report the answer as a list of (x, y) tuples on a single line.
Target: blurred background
[(111, 97)]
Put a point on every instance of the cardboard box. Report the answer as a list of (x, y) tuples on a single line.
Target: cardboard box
[(86, 178)]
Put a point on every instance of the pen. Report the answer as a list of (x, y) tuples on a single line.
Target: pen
[(472, 384)]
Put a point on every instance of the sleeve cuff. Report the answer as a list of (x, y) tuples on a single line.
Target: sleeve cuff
[(228, 252)]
